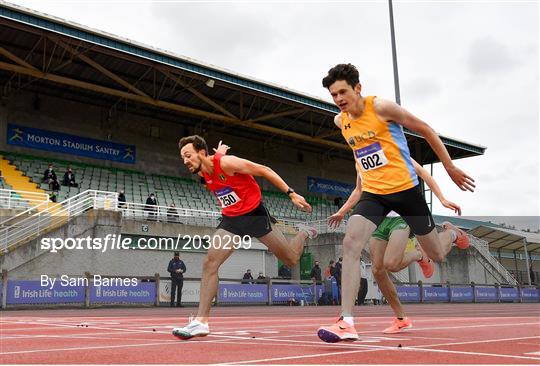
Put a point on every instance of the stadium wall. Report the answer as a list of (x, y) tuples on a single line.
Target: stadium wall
[(29, 261)]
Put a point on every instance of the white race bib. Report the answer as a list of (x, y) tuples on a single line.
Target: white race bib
[(227, 197), (371, 157)]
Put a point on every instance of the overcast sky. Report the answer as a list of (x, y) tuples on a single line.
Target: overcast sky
[(468, 68)]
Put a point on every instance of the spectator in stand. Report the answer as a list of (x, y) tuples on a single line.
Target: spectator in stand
[(261, 276), (151, 207), (121, 200), (176, 268), (315, 274), (54, 185), (172, 213), (284, 272), (531, 271), (247, 277), (69, 179), (49, 174)]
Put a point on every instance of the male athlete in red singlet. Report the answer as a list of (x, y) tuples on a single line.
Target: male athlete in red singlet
[(231, 180)]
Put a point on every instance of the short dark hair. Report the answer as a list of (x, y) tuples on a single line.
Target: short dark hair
[(347, 72), (198, 143)]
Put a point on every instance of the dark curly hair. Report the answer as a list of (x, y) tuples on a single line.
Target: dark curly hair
[(198, 143), (347, 72)]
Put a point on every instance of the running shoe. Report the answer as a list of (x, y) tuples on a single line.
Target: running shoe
[(462, 240), (340, 331), (398, 325), (425, 263), (194, 329), (309, 230)]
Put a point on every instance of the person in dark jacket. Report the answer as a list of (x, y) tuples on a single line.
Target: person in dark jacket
[(69, 179), (54, 185), (49, 174), (284, 272), (176, 268), (247, 277), (315, 274), (121, 200), (151, 207)]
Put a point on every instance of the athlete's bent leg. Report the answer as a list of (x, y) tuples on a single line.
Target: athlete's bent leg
[(287, 252), (436, 245), (377, 250), (395, 258)]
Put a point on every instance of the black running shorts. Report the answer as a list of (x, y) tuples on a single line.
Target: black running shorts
[(409, 204), (255, 223)]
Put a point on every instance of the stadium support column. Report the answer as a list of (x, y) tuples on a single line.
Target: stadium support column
[(516, 264), (526, 261)]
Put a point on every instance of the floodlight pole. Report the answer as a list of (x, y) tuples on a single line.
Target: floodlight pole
[(394, 54)]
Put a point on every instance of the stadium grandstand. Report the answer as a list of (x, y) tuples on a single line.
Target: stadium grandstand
[(113, 110)]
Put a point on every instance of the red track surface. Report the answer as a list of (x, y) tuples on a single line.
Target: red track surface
[(445, 333)]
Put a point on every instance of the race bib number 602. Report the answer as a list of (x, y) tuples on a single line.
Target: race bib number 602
[(227, 197), (371, 157)]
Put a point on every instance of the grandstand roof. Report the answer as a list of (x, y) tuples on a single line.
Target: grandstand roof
[(500, 238), (52, 56), (497, 236)]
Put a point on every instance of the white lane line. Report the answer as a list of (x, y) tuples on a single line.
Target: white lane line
[(381, 348), (474, 342), (107, 347)]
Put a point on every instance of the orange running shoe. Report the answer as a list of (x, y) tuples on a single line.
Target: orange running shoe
[(462, 240), (398, 325), (340, 331), (425, 263)]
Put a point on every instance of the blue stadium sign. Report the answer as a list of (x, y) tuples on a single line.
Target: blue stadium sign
[(34, 138), (330, 187)]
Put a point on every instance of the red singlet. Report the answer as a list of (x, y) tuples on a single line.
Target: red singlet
[(237, 194)]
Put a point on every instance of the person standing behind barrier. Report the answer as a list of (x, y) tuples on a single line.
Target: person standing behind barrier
[(337, 272), (121, 200), (362, 291), (176, 268), (329, 271), (247, 277), (315, 274)]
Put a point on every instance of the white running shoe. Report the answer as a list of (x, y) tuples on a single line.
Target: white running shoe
[(309, 230), (194, 329)]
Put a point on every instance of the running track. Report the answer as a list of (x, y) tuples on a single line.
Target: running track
[(442, 334)]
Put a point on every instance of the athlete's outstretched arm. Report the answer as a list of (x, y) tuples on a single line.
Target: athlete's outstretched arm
[(390, 111), (335, 219), (432, 184), (231, 164)]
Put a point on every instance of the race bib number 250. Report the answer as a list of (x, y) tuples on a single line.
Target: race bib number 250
[(371, 157), (227, 197)]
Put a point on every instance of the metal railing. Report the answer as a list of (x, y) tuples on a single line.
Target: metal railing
[(138, 211), (48, 215), (12, 199), (482, 248)]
